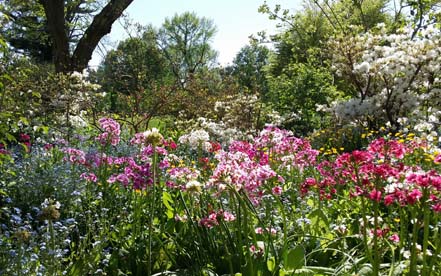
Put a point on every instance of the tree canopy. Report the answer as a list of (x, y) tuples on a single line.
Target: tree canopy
[(185, 42)]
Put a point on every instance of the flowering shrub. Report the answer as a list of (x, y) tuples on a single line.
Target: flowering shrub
[(393, 74)]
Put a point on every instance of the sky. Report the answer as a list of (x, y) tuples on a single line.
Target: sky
[(235, 20)]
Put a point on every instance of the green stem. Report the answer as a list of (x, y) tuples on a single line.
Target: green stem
[(152, 211), (52, 243), (403, 230), (365, 226), (425, 230), (437, 246), (376, 264), (413, 253)]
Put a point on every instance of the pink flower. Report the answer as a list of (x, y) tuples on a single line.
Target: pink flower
[(228, 216), (375, 195), (111, 132), (389, 199), (210, 221), (437, 208), (24, 137), (47, 147), (394, 238), (414, 196), (258, 230), (277, 191), (76, 156), (89, 177)]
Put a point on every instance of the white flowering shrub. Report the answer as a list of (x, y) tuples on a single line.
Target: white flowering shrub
[(393, 75), (198, 138), (72, 97), (237, 117)]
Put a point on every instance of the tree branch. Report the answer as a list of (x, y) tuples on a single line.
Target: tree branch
[(101, 25)]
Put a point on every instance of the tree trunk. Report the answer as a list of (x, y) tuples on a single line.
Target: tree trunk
[(101, 25), (54, 10)]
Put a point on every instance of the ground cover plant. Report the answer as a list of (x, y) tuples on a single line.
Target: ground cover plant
[(109, 204)]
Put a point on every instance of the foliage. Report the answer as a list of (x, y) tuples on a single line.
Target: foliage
[(32, 98), (63, 32), (27, 30), (19, 103), (185, 42), (299, 76), (298, 92), (248, 69)]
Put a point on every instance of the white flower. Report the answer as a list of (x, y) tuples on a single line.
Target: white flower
[(193, 186), (196, 139)]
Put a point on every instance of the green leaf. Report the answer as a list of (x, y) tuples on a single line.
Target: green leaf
[(167, 201), (10, 137), (271, 264), (295, 258), (24, 120)]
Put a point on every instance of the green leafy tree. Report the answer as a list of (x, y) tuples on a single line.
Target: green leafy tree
[(25, 29), (249, 68), (137, 64), (299, 75), (185, 42)]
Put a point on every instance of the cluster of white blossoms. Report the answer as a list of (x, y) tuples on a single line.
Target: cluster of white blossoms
[(238, 117), (74, 96), (196, 139), (394, 74)]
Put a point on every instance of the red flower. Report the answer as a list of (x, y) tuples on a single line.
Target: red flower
[(414, 196), (389, 199), (375, 195), (24, 137)]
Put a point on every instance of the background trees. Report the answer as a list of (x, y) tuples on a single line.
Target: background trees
[(185, 43), (163, 71), (310, 76), (248, 68)]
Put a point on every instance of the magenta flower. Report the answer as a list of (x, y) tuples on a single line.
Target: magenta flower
[(228, 216), (394, 238), (277, 191), (111, 132), (414, 196), (375, 195), (91, 177), (76, 156)]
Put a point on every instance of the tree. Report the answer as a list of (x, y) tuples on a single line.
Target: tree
[(58, 22), (101, 25), (136, 75), (185, 42), (248, 68), (25, 27)]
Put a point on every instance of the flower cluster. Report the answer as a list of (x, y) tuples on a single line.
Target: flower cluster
[(195, 139), (379, 174), (392, 73), (214, 218), (111, 132)]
